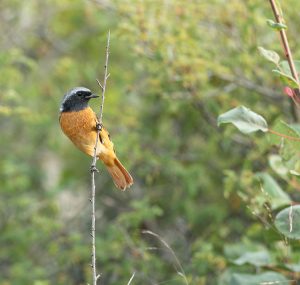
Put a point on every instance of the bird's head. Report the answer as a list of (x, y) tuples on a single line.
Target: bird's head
[(76, 99)]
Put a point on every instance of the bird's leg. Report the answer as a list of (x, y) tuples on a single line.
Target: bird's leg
[(99, 127)]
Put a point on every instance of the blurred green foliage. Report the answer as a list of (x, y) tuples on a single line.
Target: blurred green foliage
[(175, 66)]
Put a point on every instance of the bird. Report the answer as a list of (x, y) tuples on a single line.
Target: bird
[(79, 123)]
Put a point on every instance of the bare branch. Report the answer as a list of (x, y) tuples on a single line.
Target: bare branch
[(94, 168), (105, 78)]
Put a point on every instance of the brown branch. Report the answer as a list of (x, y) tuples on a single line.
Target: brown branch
[(283, 135), (94, 169), (285, 43)]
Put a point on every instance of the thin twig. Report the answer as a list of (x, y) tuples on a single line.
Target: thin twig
[(129, 282), (285, 42), (284, 136), (93, 227), (94, 169), (181, 272), (103, 86)]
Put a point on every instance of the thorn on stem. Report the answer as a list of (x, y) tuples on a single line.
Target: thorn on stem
[(99, 83)]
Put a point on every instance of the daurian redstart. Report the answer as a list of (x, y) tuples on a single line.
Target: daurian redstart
[(78, 121)]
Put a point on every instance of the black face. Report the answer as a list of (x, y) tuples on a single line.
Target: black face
[(76, 99)]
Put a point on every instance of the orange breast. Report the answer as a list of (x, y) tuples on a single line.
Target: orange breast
[(80, 127)]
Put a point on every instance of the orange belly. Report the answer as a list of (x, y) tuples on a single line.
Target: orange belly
[(80, 127)]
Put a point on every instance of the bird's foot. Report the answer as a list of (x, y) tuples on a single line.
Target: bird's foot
[(94, 169), (99, 127)]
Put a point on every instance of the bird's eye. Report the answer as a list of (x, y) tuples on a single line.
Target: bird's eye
[(80, 94)]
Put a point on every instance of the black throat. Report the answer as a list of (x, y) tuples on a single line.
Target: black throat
[(71, 106)]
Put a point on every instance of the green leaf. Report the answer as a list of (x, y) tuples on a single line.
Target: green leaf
[(269, 55), (273, 192), (285, 67), (293, 267), (295, 128), (287, 222), (247, 252), (289, 149), (229, 277), (275, 25), (286, 129), (244, 119), (277, 165), (286, 78), (294, 172), (259, 258), (255, 279), (284, 72)]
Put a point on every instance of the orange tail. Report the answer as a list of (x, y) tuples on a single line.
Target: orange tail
[(120, 175)]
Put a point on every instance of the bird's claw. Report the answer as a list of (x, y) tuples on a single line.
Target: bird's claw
[(98, 126), (94, 168)]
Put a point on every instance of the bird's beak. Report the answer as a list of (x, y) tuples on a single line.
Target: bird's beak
[(92, 96)]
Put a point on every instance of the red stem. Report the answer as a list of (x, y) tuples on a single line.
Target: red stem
[(283, 135), (285, 43)]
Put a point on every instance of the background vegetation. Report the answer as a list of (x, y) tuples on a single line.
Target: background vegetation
[(175, 66)]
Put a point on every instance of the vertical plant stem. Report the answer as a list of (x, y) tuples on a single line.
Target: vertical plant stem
[(106, 75), (96, 276), (285, 42), (93, 230)]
